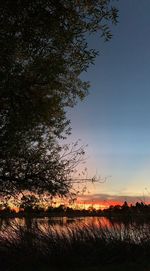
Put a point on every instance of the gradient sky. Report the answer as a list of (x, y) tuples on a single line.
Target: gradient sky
[(114, 119)]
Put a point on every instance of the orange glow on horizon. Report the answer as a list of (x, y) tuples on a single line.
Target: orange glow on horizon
[(84, 202), (96, 205), (100, 204)]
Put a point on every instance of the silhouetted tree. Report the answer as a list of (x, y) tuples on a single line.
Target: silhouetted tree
[(45, 167), (44, 50), (28, 202)]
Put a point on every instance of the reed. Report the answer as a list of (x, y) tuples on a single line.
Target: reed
[(80, 245)]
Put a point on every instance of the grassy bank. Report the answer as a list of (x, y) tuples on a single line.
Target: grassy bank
[(85, 247)]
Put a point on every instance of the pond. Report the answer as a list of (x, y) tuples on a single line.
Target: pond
[(70, 241), (55, 222), (135, 230)]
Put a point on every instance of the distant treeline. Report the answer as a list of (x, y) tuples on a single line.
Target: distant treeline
[(139, 209)]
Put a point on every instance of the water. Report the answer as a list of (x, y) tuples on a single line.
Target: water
[(135, 230), (6, 224), (11, 227), (61, 222)]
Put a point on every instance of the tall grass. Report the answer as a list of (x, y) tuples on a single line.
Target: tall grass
[(32, 248)]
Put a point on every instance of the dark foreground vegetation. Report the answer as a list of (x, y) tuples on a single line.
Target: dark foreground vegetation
[(85, 247)]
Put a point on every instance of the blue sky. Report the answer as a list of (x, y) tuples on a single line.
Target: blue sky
[(114, 119)]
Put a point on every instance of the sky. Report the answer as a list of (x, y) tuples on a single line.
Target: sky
[(114, 119)]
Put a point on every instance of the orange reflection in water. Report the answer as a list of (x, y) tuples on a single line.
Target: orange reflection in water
[(10, 227)]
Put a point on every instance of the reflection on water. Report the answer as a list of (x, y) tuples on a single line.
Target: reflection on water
[(60, 222), (9, 228)]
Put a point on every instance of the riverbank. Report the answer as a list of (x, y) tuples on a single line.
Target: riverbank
[(107, 267), (89, 247)]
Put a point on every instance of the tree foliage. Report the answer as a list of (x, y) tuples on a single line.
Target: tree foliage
[(44, 50), (42, 168)]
